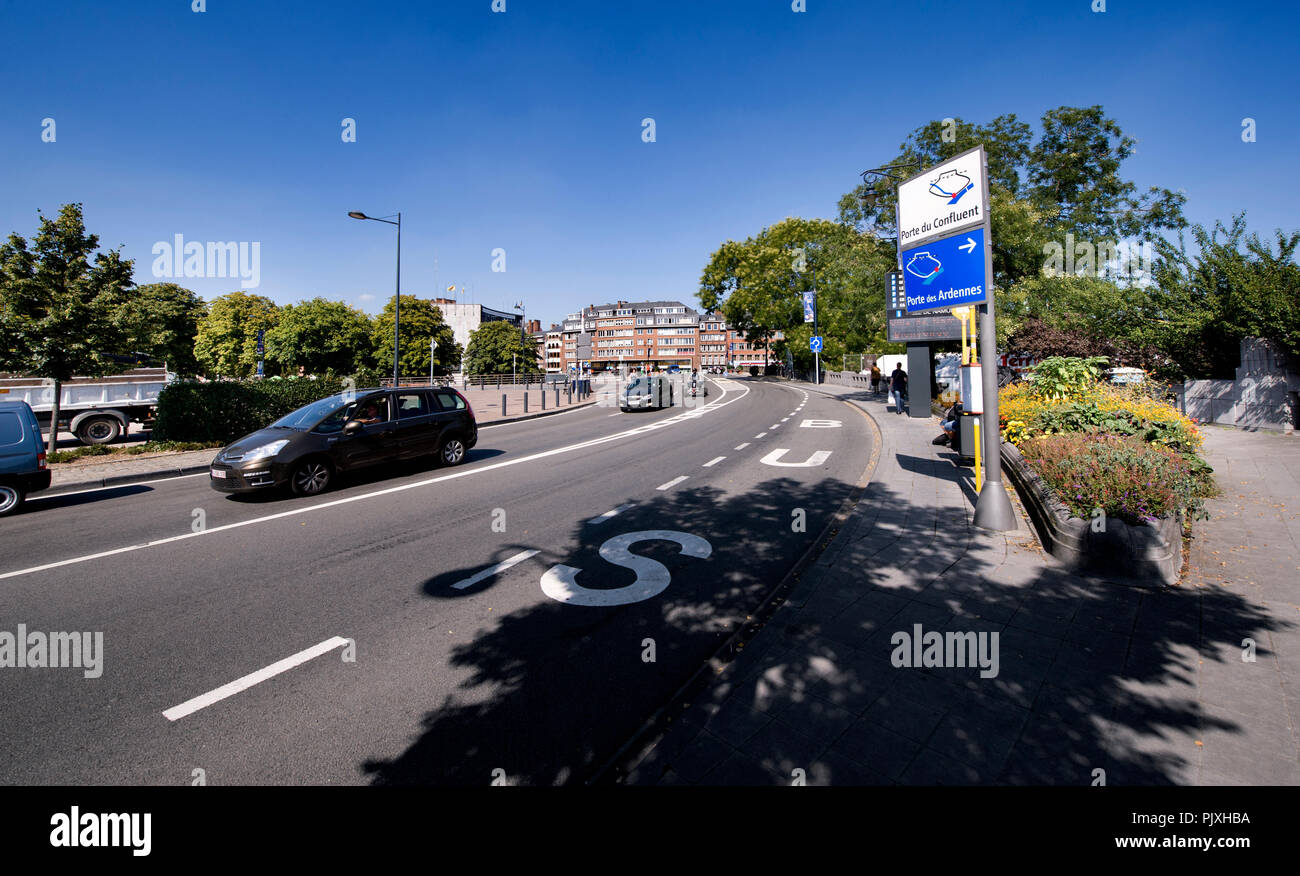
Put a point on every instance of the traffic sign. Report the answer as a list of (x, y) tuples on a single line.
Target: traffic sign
[(815, 343), (946, 272), (943, 199)]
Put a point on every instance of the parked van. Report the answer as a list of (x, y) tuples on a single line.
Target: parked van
[(22, 456)]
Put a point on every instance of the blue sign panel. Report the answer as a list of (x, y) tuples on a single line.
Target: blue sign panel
[(946, 273), (815, 343), (808, 306)]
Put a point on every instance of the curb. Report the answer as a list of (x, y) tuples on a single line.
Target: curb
[(167, 473), (660, 723)]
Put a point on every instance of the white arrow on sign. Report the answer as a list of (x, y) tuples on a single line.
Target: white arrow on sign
[(969, 245), (774, 458)]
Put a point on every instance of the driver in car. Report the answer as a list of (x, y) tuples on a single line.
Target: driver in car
[(369, 414)]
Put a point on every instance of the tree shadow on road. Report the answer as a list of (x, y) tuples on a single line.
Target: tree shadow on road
[(1092, 674)]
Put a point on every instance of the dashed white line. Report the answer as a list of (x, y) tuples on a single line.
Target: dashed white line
[(760, 434), (493, 570), (742, 446), (175, 713), (609, 514), (713, 462), (674, 482)]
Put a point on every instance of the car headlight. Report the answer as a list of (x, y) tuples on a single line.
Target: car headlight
[(265, 450)]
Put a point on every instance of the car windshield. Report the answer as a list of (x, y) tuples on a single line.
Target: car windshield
[(309, 415), (636, 383)]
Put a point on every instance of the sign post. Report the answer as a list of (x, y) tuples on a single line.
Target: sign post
[(945, 251)]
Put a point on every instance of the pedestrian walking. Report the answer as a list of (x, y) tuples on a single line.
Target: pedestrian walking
[(897, 386), (875, 379)]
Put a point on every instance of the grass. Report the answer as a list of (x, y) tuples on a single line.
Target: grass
[(148, 447)]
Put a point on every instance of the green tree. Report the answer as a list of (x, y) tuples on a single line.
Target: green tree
[(322, 337), (1235, 286), (57, 307), (226, 343), (161, 320), (420, 321), (490, 348)]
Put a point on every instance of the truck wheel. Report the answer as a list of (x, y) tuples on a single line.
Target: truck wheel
[(311, 476), (99, 430), (11, 499)]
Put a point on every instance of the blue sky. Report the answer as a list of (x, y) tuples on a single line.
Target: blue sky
[(522, 130)]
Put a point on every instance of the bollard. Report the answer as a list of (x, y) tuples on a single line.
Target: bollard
[(525, 399), (503, 404), (543, 398), (557, 395), (569, 396)]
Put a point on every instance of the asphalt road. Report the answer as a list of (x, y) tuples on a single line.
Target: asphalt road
[(533, 675)]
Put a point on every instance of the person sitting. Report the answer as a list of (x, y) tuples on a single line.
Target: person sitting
[(369, 414)]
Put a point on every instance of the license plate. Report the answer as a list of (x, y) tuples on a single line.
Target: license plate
[(218, 473)]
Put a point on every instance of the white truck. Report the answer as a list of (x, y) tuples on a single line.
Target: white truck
[(95, 409)]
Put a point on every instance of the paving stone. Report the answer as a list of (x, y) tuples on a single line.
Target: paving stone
[(876, 748)]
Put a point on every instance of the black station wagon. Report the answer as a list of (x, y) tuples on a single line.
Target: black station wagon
[(304, 450)]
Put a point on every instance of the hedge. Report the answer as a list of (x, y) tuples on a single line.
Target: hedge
[(223, 410)]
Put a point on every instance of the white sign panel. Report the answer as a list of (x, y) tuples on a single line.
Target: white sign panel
[(942, 200)]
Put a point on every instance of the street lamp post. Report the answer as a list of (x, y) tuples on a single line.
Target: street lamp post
[(433, 346), (397, 300)]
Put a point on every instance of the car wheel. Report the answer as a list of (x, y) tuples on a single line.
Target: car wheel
[(310, 477), (452, 451), (99, 430), (11, 499)]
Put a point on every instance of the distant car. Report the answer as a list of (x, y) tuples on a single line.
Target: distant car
[(674, 369), (22, 456), (304, 450), (647, 392)]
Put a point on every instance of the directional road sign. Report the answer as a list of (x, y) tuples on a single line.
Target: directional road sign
[(946, 272), (815, 343), (943, 199)]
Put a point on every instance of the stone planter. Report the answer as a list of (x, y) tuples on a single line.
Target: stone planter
[(1150, 554)]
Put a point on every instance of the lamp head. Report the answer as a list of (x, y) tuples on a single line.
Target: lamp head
[(357, 214)]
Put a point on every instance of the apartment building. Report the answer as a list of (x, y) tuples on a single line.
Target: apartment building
[(647, 334)]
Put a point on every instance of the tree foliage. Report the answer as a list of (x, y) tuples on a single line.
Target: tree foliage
[(491, 347), (321, 337), (161, 320), (57, 305), (226, 343), (420, 321)]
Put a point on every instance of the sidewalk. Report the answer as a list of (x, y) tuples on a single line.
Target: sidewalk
[(1146, 685), (94, 472)]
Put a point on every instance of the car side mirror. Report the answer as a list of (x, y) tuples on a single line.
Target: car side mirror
[(352, 427)]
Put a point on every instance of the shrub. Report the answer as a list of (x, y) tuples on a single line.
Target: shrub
[(1116, 410), (223, 410), (1123, 476)]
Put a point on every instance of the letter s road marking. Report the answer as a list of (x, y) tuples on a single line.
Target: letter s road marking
[(652, 577)]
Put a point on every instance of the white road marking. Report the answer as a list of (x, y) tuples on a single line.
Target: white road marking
[(760, 435), (175, 713), (494, 570), (652, 577), (713, 462), (470, 472), (821, 424), (774, 458), (742, 446), (674, 482), (775, 426), (610, 514)]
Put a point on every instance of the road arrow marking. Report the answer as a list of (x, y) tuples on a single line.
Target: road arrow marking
[(774, 458)]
